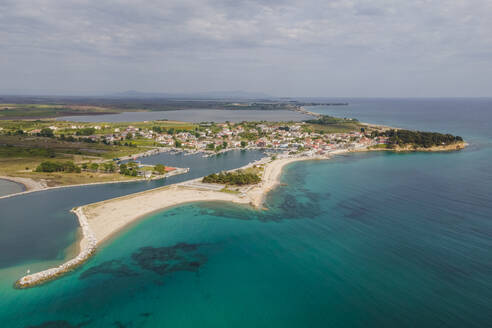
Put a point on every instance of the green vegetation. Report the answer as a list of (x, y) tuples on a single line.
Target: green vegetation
[(129, 169), (49, 166), (85, 132), (330, 120), (160, 169), (380, 146), (238, 178), (330, 124), (46, 132), (230, 191), (417, 138), (26, 111)]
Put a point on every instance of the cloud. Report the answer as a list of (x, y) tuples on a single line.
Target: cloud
[(111, 43)]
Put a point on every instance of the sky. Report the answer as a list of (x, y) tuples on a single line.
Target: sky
[(322, 48)]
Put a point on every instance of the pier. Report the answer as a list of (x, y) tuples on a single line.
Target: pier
[(87, 248)]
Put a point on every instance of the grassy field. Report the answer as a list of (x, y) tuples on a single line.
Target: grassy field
[(65, 127), (19, 156), (22, 149), (335, 128), (26, 111)]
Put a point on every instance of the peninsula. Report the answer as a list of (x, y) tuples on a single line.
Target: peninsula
[(320, 138), (99, 221)]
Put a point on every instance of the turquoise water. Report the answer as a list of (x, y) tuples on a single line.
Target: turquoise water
[(39, 226), (364, 240)]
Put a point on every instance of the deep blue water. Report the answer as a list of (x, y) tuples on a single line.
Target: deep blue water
[(363, 240)]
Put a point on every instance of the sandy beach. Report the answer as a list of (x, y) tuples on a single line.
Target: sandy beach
[(100, 221), (28, 183), (108, 217)]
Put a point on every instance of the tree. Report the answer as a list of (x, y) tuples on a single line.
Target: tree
[(238, 177), (159, 168), (243, 144), (224, 144), (85, 131), (94, 166), (48, 166), (177, 144), (123, 169), (109, 167), (46, 132)]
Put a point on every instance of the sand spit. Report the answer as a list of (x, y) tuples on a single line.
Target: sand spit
[(28, 183), (100, 221)]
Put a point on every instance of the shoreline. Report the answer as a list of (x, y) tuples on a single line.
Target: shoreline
[(178, 170), (101, 221), (28, 184)]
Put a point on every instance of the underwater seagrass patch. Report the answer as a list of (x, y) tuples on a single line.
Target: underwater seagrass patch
[(114, 267), (166, 260)]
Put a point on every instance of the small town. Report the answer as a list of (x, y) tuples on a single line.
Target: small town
[(210, 138)]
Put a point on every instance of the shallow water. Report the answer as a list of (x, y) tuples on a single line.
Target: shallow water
[(39, 226), (8, 187), (363, 240)]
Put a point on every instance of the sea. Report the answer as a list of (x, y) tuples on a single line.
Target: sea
[(362, 240)]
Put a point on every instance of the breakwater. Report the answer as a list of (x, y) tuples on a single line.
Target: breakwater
[(87, 248)]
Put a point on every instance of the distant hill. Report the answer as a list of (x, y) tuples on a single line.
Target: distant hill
[(237, 94)]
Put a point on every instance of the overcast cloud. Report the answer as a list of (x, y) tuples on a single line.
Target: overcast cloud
[(280, 47)]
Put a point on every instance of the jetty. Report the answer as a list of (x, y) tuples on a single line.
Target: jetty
[(87, 248)]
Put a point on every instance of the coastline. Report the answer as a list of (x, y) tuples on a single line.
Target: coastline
[(178, 171), (102, 220), (28, 183)]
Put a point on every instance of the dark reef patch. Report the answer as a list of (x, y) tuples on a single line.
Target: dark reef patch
[(166, 260), (119, 324), (113, 267), (227, 210), (58, 324), (353, 211)]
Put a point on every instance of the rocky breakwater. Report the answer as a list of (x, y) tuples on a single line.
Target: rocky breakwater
[(87, 248)]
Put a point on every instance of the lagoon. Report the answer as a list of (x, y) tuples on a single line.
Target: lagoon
[(194, 115), (8, 187)]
